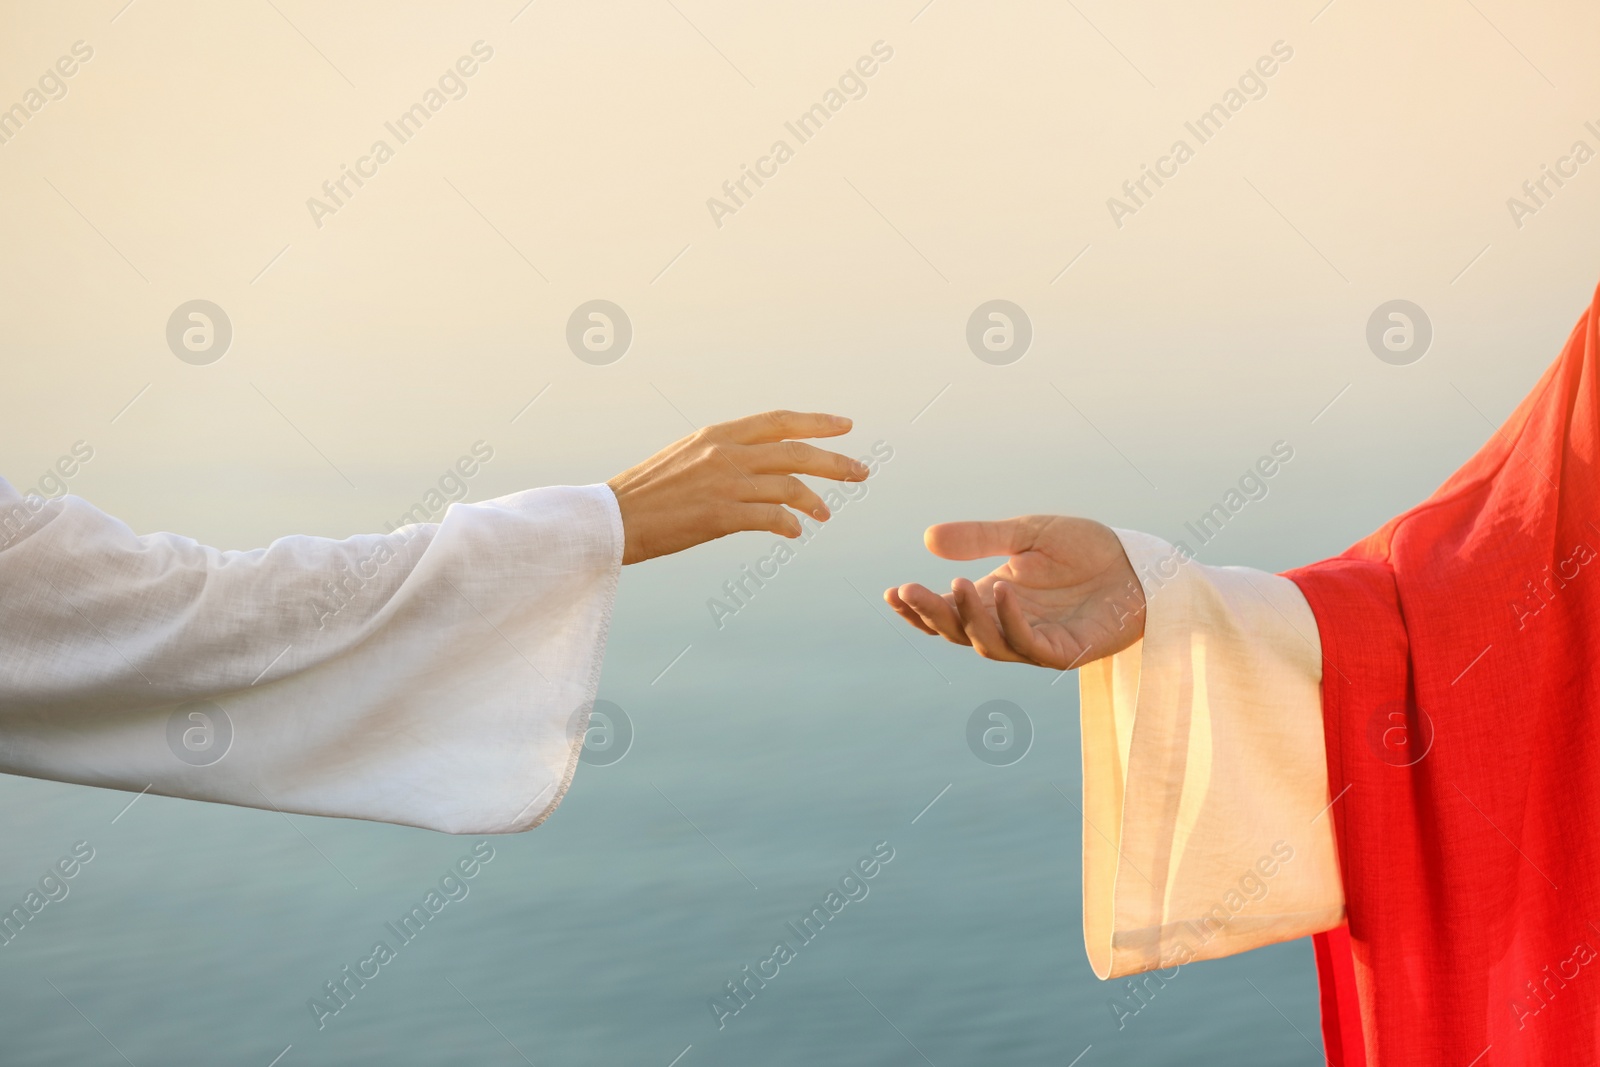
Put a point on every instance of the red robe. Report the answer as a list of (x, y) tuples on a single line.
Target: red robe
[(1460, 694)]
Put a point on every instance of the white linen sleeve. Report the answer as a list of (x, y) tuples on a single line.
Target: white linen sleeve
[(1205, 782), (439, 676)]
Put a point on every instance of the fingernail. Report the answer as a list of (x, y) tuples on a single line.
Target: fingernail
[(820, 514), (840, 420), (859, 469)]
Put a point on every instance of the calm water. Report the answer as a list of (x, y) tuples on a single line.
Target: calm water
[(769, 759)]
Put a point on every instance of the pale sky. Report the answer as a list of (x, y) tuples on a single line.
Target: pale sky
[(371, 351)]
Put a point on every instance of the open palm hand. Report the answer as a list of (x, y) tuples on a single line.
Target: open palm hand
[(1065, 596)]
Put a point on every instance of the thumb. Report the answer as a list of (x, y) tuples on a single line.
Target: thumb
[(975, 540)]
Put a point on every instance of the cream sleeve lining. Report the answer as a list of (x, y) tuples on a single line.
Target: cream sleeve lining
[(1205, 785)]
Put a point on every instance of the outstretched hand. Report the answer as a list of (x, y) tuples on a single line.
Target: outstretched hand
[(1066, 595), (729, 477)]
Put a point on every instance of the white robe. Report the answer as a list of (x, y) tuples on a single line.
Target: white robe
[(440, 676), (1205, 783)]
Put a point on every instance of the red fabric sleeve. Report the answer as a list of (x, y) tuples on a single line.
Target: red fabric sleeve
[(1460, 687), (1341, 1008)]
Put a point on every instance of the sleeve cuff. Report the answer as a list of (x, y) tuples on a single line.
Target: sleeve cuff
[(1206, 830)]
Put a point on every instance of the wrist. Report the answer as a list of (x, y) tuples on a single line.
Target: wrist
[(630, 551)]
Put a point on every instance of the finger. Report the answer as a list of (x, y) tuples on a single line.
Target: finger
[(773, 518), (937, 612), (797, 457), (1019, 633), (784, 489), (778, 425), (906, 611), (978, 620), (975, 540)]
